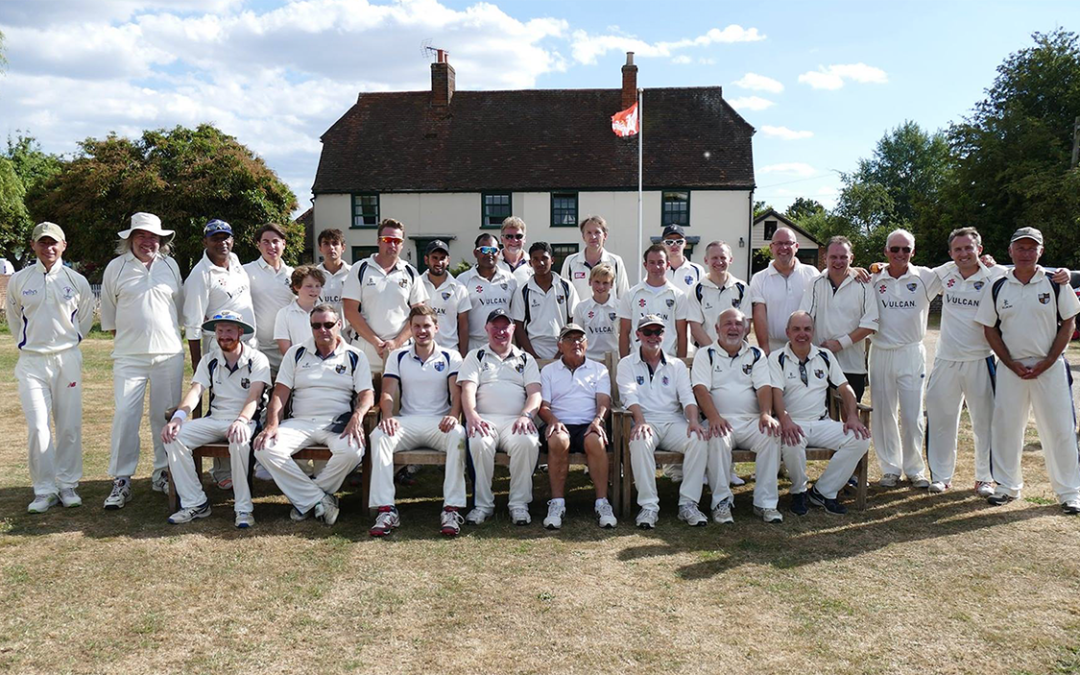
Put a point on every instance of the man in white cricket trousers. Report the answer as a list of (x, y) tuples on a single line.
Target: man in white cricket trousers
[(142, 305), (50, 308), (236, 375), (500, 395), (322, 377), (777, 290), (1028, 322), (801, 377), (424, 376), (655, 388), (733, 388), (271, 288), (378, 295), (898, 361), (447, 297)]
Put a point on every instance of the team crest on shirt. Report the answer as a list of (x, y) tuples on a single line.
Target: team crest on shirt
[(446, 295), (69, 292), (748, 368), (440, 366), (979, 285), (912, 286), (1044, 298), (819, 373), (640, 379), (882, 288), (245, 383), (665, 380), (641, 302), (403, 283), (504, 286), (340, 369), (611, 315), (736, 302), (670, 302), (560, 299), (688, 279), (521, 366)]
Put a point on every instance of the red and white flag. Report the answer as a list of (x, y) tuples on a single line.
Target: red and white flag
[(625, 123)]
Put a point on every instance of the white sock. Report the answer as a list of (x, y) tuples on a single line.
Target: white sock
[(600, 502), (558, 501)]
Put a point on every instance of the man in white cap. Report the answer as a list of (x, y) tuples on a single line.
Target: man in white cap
[(236, 377), (50, 308), (271, 288), (141, 305), (1028, 322)]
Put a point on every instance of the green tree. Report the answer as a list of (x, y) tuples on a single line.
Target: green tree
[(32, 167), (184, 176), (802, 208), (13, 216), (760, 208)]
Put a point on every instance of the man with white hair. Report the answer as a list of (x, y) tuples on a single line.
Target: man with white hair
[(777, 290), (142, 306)]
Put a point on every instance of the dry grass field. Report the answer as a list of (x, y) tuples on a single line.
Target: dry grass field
[(915, 583)]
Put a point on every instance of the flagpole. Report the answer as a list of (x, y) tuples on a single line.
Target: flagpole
[(641, 129)]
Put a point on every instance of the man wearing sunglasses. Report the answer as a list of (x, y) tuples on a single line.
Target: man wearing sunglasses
[(683, 273), (513, 258), (656, 296), (489, 287), (777, 290), (378, 295)]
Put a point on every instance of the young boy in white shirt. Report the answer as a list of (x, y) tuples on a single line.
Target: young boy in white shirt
[(598, 314)]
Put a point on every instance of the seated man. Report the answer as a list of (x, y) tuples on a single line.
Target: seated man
[(236, 378), (321, 376), (500, 394), (425, 376), (576, 395), (801, 377), (732, 386), (655, 388)]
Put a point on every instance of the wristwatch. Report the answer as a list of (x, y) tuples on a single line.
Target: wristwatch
[(527, 414)]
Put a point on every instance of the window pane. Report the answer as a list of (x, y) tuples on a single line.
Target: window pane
[(564, 209), (562, 251), (676, 209), (360, 253), (496, 209), (365, 210)]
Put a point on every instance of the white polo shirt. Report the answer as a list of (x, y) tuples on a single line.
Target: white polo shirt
[(903, 306), (663, 394), (424, 385), (572, 394), (270, 291), (229, 387), (293, 323), (1028, 313), (706, 301), (322, 389), (448, 300), (686, 276), (334, 286), (522, 273), (210, 289), (781, 295), (733, 381), (500, 383), (667, 301), (49, 312), (485, 296), (837, 313), (143, 305), (385, 297), (807, 400), (962, 338), (601, 324), (544, 313), (576, 271)]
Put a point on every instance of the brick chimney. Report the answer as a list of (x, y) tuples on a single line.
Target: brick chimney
[(629, 82), (442, 79)]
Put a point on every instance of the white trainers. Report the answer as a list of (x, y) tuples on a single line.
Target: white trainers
[(327, 510), (984, 488), (721, 514), (297, 516), (190, 513), (120, 495), (450, 522), (477, 516), (919, 482), (244, 520), (735, 480), (160, 482), (385, 522), (42, 503), (937, 487), (647, 517), (1071, 507), (555, 515), (692, 516), (261, 473), (605, 516), (519, 515), (889, 480), (69, 498), (769, 515)]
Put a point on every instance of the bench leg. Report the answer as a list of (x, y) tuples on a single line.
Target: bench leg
[(861, 473), (615, 479), (365, 481), (627, 476), (174, 499)]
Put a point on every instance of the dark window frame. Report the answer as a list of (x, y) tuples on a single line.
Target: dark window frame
[(356, 197), (772, 223), (361, 253), (665, 219), (561, 252), (573, 221), (485, 216)]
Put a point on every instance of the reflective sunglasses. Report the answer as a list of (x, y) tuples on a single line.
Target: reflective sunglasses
[(652, 332), (898, 249), (328, 325), (391, 240), (515, 237), (488, 250), (674, 242)]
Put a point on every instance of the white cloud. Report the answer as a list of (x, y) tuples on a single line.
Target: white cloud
[(833, 77), (789, 169), (586, 48), (750, 103), (682, 60), (785, 133), (755, 82)]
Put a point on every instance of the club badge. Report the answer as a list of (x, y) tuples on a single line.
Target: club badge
[(1044, 298), (611, 316), (560, 299), (403, 283), (504, 286), (440, 366), (520, 367), (340, 369), (665, 380), (446, 295), (748, 368), (688, 279), (819, 374), (979, 285), (640, 380), (670, 302), (912, 286), (245, 383)]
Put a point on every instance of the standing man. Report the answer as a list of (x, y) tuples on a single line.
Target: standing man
[(1028, 322), (655, 296), (271, 288), (801, 377), (576, 394), (898, 361), (715, 293), (500, 394), (50, 308), (447, 297), (844, 311), (777, 290), (236, 377), (543, 305), (336, 271), (683, 273), (656, 389), (732, 385), (576, 267), (378, 295), (513, 258), (425, 377), (489, 288), (141, 305), (323, 378)]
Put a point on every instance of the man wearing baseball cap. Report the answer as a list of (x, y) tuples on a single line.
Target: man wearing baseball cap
[(447, 297), (50, 308), (500, 394), (236, 375), (681, 272), (141, 305), (1028, 320)]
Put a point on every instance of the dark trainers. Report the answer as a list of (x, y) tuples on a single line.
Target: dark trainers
[(999, 499), (798, 504), (1071, 507), (830, 505)]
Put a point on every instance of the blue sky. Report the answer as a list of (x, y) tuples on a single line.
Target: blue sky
[(821, 82)]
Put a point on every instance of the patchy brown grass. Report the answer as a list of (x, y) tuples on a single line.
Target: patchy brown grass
[(914, 584)]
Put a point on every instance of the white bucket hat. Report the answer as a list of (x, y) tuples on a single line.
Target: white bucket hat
[(150, 223)]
